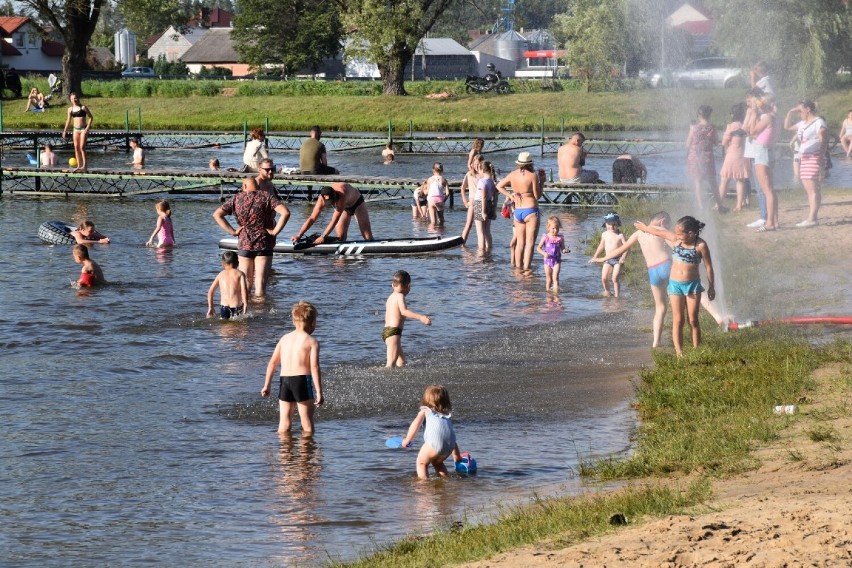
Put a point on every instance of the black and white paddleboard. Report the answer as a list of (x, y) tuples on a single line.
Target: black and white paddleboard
[(357, 248)]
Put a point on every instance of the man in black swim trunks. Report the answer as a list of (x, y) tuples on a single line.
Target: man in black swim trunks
[(348, 203)]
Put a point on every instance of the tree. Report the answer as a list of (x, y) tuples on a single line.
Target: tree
[(388, 31), (294, 34), (806, 40), (75, 20), (593, 32), (147, 18)]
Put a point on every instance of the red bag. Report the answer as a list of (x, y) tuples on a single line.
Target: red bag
[(507, 210)]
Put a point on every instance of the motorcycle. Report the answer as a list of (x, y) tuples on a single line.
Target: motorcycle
[(491, 82)]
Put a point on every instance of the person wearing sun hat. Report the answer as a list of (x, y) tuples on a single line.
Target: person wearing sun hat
[(571, 159), (526, 191)]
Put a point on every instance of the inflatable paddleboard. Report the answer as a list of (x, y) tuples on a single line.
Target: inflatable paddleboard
[(357, 248), (56, 233)]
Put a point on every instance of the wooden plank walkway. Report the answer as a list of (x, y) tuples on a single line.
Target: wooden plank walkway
[(36, 182)]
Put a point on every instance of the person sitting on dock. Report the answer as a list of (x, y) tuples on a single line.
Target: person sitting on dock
[(571, 159), (627, 168), (312, 155), (347, 202)]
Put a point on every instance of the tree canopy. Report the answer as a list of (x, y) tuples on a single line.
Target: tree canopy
[(292, 34), (75, 20), (388, 31), (593, 33)]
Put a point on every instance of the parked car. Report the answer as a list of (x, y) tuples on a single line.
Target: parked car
[(139, 73), (710, 72)]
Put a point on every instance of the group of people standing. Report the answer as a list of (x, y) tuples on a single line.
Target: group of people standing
[(749, 142)]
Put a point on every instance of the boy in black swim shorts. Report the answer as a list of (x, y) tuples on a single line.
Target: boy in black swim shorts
[(300, 384)]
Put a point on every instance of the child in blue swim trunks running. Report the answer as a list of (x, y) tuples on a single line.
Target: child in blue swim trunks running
[(688, 250), (439, 437)]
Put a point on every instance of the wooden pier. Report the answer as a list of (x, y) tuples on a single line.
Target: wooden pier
[(35, 182)]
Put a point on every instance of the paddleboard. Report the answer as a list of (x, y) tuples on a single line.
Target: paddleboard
[(357, 248)]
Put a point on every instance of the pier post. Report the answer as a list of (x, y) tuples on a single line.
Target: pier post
[(1, 115), (127, 131), (390, 130), (410, 136), (245, 134), (562, 128), (541, 149), (139, 113)]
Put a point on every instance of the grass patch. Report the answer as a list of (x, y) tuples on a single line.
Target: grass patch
[(571, 519), (822, 434), (359, 106), (707, 411)]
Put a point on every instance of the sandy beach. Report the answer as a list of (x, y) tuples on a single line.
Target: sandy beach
[(794, 509)]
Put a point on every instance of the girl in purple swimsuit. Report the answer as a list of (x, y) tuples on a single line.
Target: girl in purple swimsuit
[(551, 246)]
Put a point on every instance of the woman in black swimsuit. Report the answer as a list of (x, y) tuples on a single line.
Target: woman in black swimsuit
[(82, 122)]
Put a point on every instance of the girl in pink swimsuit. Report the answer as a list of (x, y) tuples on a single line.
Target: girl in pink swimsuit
[(164, 230)]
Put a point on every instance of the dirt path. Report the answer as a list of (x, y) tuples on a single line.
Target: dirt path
[(796, 508)]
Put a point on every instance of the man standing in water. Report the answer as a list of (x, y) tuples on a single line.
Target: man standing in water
[(312, 155), (571, 159)]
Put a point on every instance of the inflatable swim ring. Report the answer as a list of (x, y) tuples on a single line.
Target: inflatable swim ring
[(56, 233)]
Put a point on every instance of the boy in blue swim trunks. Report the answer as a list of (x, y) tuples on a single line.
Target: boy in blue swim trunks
[(233, 289), (300, 383)]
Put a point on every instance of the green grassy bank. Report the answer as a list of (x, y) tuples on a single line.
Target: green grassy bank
[(212, 105)]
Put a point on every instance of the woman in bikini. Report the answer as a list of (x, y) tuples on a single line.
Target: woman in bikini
[(82, 122), (526, 191), (347, 202)]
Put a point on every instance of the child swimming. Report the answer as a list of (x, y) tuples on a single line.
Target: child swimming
[(684, 288), (611, 239), (86, 234), (551, 246), (164, 231), (439, 436)]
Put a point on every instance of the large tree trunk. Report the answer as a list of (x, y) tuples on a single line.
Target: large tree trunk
[(73, 62), (392, 71)]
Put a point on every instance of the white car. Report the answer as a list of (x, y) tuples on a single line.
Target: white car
[(710, 72), (139, 73)]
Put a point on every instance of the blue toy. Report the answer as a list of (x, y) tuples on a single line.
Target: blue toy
[(31, 160), (466, 465), (395, 442)]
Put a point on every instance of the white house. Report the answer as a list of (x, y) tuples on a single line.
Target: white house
[(174, 43), (30, 51)]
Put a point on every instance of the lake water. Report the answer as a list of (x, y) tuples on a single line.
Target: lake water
[(134, 432)]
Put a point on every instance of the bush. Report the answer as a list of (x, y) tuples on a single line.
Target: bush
[(215, 72), (165, 68)]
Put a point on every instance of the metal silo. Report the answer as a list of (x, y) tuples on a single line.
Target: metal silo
[(510, 45), (125, 47)]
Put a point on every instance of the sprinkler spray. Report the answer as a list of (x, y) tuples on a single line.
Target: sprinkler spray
[(805, 320)]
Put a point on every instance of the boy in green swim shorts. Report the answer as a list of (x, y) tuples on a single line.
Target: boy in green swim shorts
[(395, 313)]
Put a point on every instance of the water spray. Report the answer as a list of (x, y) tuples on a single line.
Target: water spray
[(801, 320)]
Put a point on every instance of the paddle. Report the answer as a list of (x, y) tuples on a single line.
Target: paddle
[(309, 241)]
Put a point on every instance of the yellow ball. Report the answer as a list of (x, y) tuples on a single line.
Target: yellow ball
[(72, 162)]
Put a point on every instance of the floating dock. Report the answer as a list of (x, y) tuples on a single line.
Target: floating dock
[(35, 182)]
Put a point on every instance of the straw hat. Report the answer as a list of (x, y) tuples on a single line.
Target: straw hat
[(524, 159)]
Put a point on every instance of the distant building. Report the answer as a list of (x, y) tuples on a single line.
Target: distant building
[(214, 49), (26, 47), (696, 24), (518, 53), (174, 43), (434, 58)]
